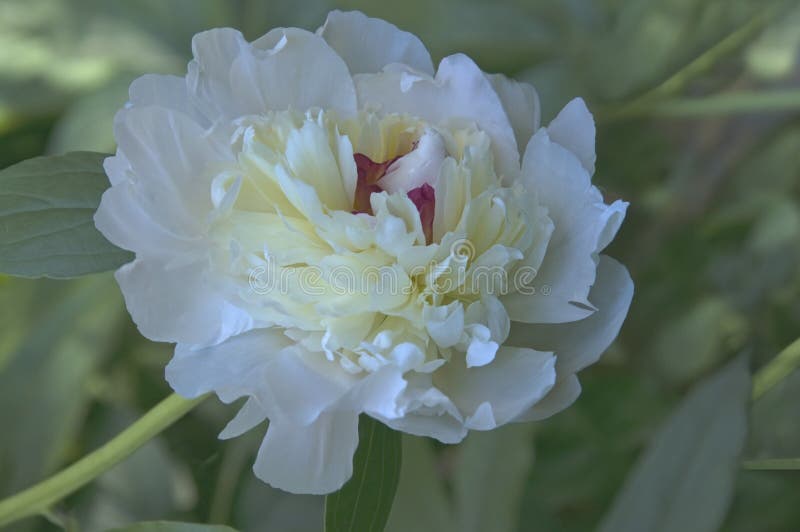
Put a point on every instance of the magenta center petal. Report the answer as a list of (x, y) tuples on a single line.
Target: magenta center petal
[(424, 198), (369, 173), (369, 176)]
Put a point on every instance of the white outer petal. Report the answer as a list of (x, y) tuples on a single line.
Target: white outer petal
[(181, 303), (229, 369), (521, 103), (492, 395), (562, 395), (574, 129), (287, 67), (167, 155), (249, 416), (315, 459), (368, 44), (579, 344), (583, 225), (165, 91)]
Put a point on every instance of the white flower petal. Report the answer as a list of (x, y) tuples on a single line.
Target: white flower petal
[(378, 393), (315, 459), (229, 368), (427, 412), (368, 44), (264, 364), (445, 324), (482, 349), (574, 129), (180, 303), (311, 159), (286, 68), (248, 417), (582, 225), (579, 344), (168, 155), (515, 380), (165, 91), (521, 103), (460, 91), (420, 166), (124, 220), (297, 69), (442, 427), (562, 395)]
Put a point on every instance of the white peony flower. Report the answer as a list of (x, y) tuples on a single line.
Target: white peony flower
[(325, 225)]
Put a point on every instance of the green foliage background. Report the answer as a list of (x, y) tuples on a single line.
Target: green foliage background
[(712, 240)]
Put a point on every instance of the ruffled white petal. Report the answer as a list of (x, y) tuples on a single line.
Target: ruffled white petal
[(582, 223), (249, 416), (574, 129), (124, 219), (427, 411), (579, 344), (521, 103), (368, 44), (166, 155), (165, 91), (315, 459), (181, 303), (562, 395), (286, 68), (492, 395), (460, 91)]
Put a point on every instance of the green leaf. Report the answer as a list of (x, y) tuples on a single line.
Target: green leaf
[(170, 526), (47, 205), (364, 502), (47, 375), (490, 478), (684, 481), (421, 503)]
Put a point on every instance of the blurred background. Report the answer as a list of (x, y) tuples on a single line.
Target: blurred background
[(697, 104)]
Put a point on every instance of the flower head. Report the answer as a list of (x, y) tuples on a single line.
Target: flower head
[(326, 226)]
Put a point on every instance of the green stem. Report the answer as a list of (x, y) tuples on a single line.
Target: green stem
[(40, 497), (777, 369), (701, 64), (719, 104), (773, 464)]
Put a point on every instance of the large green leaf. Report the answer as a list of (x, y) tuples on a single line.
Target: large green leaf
[(47, 206), (684, 481), (421, 503), (490, 478), (45, 383), (364, 502), (170, 526)]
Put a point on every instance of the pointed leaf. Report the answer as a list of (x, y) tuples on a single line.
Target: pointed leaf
[(684, 480), (490, 478), (364, 502), (421, 503), (47, 205)]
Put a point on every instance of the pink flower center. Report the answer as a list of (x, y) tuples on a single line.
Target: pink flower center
[(369, 176)]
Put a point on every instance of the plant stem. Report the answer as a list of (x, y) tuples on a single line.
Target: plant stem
[(643, 104), (777, 369), (40, 497), (773, 464), (719, 104)]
